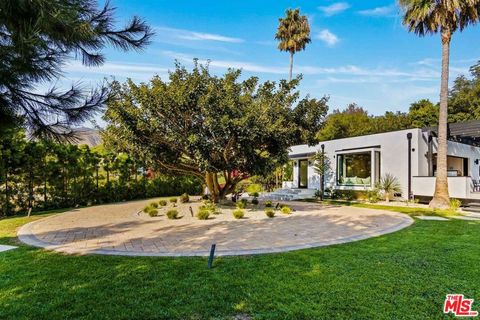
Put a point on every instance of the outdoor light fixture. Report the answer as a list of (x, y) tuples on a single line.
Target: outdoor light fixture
[(476, 161)]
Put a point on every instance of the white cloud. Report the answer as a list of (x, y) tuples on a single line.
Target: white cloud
[(355, 73), (378, 11), (225, 64), (328, 37), (196, 35), (334, 8), (138, 71)]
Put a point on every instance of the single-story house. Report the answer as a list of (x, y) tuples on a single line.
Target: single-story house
[(358, 163)]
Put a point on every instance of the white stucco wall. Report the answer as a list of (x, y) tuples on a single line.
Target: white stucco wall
[(393, 155), (393, 147)]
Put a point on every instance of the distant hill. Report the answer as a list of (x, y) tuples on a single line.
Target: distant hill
[(88, 136)]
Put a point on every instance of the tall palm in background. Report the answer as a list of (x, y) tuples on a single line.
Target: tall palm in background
[(293, 33), (445, 17)]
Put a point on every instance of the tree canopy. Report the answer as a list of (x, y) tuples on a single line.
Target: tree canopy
[(37, 37), (210, 126)]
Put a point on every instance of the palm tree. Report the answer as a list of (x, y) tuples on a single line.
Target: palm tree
[(293, 33), (445, 17)]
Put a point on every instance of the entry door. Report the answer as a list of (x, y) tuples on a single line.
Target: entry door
[(303, 173)]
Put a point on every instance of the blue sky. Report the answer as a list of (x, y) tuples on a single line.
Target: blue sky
[(359, 53)]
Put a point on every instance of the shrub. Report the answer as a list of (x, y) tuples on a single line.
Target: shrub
[(203, 214), (254, 194), (455, 204), (254, 188), (286, 210), (238, 214), (373, 196), (184, 198), (146, 209), (153, 205), (268, 204), (153, 212), (162, 203), (389, 185), (270, 212), (255, 201), (242, 204), (173, 200), (172, 214), (205, 197), (318, 194), (344, 195)]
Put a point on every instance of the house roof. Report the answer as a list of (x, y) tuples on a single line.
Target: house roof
[(467, 132)]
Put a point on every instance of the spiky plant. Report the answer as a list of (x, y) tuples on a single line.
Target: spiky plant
[(389, 185)]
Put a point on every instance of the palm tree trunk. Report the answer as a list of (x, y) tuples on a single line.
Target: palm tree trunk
[(291, 66), (441, 198)]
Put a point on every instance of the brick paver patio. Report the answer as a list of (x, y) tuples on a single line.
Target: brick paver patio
[(119, 229)]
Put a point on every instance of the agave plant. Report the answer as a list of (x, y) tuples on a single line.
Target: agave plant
[(389, 185)]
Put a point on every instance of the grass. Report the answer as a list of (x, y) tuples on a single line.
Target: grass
[(397, 276), (409, 210)]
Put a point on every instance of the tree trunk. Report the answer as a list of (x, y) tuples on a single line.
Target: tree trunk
[(211, 186), (45, 182), (291, 67), (441, 198), (7, 200)]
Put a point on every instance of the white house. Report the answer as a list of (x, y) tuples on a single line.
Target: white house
[(357, 163)]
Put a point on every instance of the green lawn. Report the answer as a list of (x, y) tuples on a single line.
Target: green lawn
[(402, 275)]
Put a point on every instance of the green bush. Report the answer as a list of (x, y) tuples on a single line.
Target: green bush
[(238, 214), (348, 195), (268, 204), (286, 210), (172, 214), (254, 194), (242, 204), (162, 203), (184, 198), (373, 196), (153, 205), (153, 212), (254, 188), (147, 208), (173, 200), (270, 212), (255, 201), (455, 204), (203, 214)]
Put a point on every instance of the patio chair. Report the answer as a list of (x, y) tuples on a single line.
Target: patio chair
[(476, 185)]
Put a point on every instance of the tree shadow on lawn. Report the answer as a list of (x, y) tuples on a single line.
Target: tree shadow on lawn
[(176, 237), (377, 278)]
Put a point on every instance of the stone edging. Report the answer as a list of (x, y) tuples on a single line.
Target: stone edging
[(25, 235)]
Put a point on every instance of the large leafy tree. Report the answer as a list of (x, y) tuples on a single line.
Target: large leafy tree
[(293, 34), (350, 122), (37, 37), (423, 113), (425, 17), (213, 127), (464, 99)]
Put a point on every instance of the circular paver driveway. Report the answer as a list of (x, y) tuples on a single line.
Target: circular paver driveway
[(118, 229)]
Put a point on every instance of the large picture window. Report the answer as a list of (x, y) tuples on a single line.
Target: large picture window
[(354, 169)]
